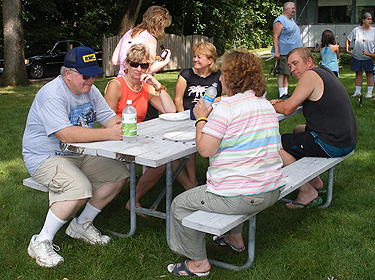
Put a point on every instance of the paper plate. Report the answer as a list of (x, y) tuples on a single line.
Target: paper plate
[(180, 136), (174, 117)]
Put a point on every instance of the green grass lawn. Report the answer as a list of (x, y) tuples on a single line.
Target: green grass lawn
[(336, 243)]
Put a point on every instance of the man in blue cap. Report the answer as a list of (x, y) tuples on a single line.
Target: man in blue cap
[(64, 111)]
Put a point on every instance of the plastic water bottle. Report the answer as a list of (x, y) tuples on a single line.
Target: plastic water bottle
[(129, 122), (209, 95)]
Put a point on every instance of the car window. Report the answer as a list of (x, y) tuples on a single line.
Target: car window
[(74, 45), (61, 47)]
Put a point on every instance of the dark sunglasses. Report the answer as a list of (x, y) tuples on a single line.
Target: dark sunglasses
[(136, 64)]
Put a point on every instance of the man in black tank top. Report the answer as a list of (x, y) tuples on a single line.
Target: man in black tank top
[(330, 129)]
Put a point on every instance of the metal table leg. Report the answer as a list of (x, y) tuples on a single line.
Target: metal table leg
[(168, 197), (250, 250), (133, 216), (170, 177), (156, 203), (329, 189)]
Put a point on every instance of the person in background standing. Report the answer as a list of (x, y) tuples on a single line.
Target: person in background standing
[(148, 32), (286, 37), (363, 40), (329, 52)]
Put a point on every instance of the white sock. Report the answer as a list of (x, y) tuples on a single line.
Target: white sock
[(369, 89), (88, 214), (51, 225), (283, 91), (358, 89)]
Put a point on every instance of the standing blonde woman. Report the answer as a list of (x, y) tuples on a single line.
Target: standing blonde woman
[(148, 32)]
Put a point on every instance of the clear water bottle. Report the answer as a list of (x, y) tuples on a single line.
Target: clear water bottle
[(209, 95), (129, 122)]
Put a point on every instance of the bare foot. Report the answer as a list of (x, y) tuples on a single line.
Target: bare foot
[(198, 266), (317, 183), (137, 204), (235, 240), (303, 198)]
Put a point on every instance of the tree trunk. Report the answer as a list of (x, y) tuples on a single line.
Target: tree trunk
[(14, 57), (130, 17)]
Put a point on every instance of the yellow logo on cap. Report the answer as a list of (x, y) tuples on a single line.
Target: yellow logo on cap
[(89, 57)]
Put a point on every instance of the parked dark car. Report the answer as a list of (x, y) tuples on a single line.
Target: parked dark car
[(40, 66)]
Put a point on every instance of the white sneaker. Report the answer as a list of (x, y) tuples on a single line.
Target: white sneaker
[(356, 93), (44, 252), (86, 232), (368, 95)]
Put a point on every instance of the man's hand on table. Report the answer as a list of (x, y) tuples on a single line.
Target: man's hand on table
[(115, 131)]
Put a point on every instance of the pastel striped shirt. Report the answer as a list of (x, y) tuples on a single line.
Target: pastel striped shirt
[(247, 161)]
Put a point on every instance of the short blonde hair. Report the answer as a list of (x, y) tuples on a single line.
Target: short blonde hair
[(155, 20), (209, 50), (243, 71), (137, 52)]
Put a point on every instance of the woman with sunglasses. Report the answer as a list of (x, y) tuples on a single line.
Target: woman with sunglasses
[(141, 88)]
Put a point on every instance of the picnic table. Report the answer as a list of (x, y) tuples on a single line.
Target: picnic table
[(153, 147)]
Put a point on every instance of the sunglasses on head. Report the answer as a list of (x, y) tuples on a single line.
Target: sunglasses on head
[(136, 64)]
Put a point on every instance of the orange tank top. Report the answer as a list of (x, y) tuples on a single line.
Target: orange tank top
[(139, 99)]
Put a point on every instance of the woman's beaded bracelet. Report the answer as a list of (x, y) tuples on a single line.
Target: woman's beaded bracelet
[(160, 89), (200, 119)]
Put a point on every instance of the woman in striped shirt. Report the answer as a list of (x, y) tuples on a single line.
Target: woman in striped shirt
[(241, 138)]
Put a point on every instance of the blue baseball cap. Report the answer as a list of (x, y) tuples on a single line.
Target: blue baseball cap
[(83, 59)]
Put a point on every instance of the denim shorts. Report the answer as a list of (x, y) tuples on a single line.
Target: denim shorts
[(359, 65)]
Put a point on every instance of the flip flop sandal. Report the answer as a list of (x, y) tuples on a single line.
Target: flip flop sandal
[(220, 240), (316, 202), (181, 269)]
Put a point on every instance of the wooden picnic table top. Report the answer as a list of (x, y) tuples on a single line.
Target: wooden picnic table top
[(150, 148)]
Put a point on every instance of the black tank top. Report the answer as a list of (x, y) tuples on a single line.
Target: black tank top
[(332, 116)]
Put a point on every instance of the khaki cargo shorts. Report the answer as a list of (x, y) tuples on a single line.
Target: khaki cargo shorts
[(282, 66), (76, 177)]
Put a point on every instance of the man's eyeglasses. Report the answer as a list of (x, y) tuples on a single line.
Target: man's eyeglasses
[(136, 64), (83, 76)]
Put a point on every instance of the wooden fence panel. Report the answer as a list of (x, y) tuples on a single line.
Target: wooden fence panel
[(180, 46), (108, 46)]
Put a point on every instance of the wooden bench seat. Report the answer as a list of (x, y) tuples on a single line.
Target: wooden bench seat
[(296, 174)]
